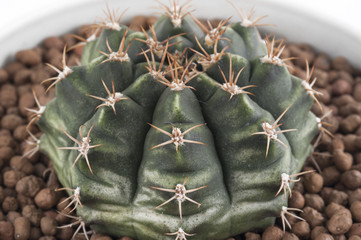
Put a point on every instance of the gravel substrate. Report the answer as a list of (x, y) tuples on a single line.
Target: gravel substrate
[(330, 197)]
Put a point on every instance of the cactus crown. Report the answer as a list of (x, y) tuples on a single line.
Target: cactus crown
[(183, 126)]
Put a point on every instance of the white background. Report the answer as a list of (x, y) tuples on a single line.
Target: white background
[(17, 14)]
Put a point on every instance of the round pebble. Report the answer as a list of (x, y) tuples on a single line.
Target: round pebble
[(297, 200), (22, 228), (302, 229), (313, 182), (6, 231), (28, 57), (48, 226), (356, 211), (324, 236), (340, 222), (272, 233), (341, 87), (351, 179), (343, 160), (46, 199)]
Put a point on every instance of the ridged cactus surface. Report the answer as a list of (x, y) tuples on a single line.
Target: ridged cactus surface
[(207, 119)]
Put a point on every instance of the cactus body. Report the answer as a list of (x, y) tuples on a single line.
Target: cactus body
[(221, 157)]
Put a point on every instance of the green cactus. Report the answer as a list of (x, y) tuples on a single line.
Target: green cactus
[(179, 128)]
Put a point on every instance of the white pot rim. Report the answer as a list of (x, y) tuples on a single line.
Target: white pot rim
[(294, 24)]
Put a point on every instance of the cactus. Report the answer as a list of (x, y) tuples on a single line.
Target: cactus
[(181, 131)]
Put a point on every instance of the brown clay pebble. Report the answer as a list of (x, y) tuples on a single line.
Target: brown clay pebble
[(68, 39), (53, 42), (324, 236), (22, 164), (343, 160), (35, 233), (322, 62), (313, 217), (2, 111), (350, 108), (314, 201), (98, 236), (337, 143), (339, 237), (22, 228), (138, 22), (11, 121), (354, 237), (53, 238), (46, 199), (351, 179), (13, 68), (356, 211), (12, 177), (29, 186), (26, 101), (334, 196), (354, 230), (20, 133), (7, 141), (313, 182), (5, 154), (346, 76), (324, 97), (40, 73), (331, 175), (351, 123), (357, 158), (340, 222), (298, 187), (272, 233), (252, 236), (289, 236), (24, 200), (4, 76), (6, 231), (28, 57), (54, 57), (322, 78), (356, 92), (151, 20), (341, 87), (33, 214), (341, 63), (8, 96), (10, 204), (65, 233), (343, 100), (302, 229), (297, 200), (13, 111), (48, 226), (333, 208), (317, 231), (349, 141), (22, 77), (12, 215), (128, 238)]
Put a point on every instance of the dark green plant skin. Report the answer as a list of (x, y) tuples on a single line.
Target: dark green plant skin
[(241, 181)]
